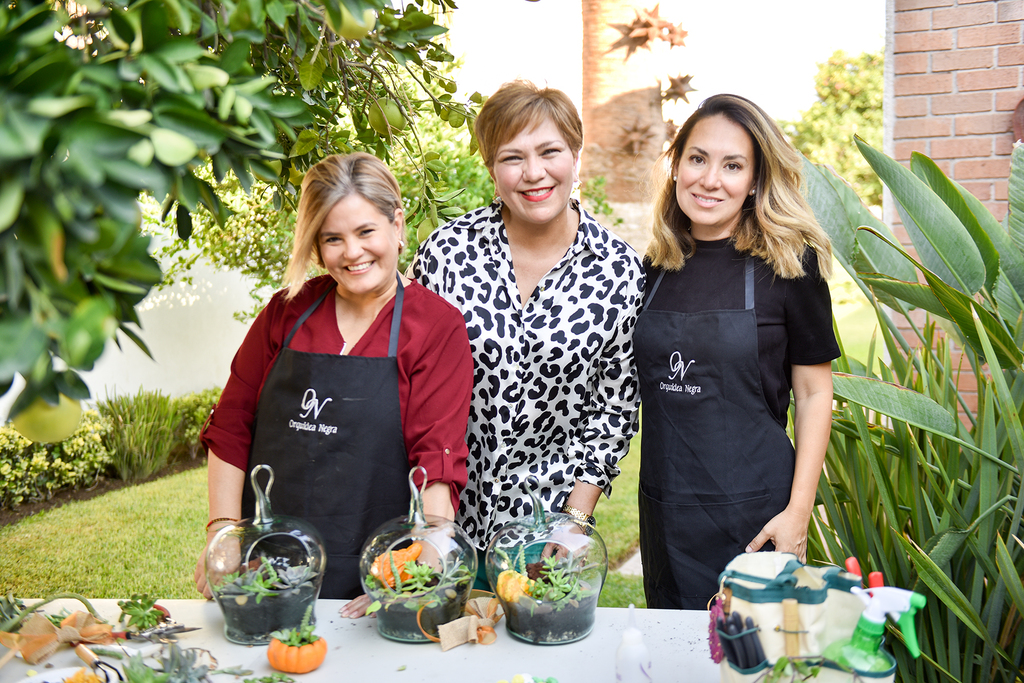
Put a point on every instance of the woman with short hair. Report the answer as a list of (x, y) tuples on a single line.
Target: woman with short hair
[(345, 381), (550, 298), (737, 314)]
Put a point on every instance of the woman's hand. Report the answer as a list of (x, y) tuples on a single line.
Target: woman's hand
[(353, 609), (788, 531)]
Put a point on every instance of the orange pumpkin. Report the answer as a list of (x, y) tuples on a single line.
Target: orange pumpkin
[(382, 565), (296, 659)]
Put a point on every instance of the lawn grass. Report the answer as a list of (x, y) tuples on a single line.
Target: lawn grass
[(146, 538), (140, 539)]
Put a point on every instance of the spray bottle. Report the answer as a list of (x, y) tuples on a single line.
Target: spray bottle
[(632, 660), (861, 652)]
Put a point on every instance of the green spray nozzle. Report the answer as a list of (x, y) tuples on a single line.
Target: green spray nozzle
[(899, 604)]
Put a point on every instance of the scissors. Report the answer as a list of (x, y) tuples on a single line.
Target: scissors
[(162, 633)]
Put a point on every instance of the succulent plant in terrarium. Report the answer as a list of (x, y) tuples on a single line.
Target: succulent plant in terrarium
[(547, 571), (265, 573), (419, 571)]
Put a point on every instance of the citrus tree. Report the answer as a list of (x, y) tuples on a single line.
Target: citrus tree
[(101, 101)]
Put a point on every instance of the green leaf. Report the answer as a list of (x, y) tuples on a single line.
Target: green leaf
[(21, 343), (183, 219), (154, 24), (953, 196), (895, 401), (172, 148), (913, 293), (122, 26), (12, 194), (168, 76), (310, 72), (180, 51), (277, 13), (941, 240), (235, 56), (305, 144), (1010, 575), (1015, 218), (945, 590), (55, 107)]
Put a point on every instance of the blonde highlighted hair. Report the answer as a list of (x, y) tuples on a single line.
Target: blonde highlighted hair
[(520, 105), (325, 184), (776, 224)]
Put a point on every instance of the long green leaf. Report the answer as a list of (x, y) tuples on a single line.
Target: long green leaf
[(895, 401), (840, 212), (1015, 218), (1010, 575), (945, 590), (959, 309), (950, 194), (1011, 258), (941, 240), (914, 293)]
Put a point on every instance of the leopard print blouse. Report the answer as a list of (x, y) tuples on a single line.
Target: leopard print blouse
[(555, 388)]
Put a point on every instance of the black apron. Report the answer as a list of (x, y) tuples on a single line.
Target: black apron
[(331, 427), (715, 465)]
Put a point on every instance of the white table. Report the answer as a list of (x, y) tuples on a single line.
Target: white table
[(677, 641)]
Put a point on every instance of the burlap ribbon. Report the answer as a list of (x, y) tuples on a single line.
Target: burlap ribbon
[(38, 638), (477, 626)]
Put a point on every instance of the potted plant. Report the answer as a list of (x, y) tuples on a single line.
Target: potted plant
[(297, 650), (419, 570), (414, 598), (265, 573), (269, 596), (548, 601), (547, 570)]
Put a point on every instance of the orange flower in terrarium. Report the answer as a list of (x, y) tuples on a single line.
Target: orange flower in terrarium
[(381, 568)]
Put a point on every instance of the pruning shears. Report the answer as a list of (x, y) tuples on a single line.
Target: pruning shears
[(163, 633)]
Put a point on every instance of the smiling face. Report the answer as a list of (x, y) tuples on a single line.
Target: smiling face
[(359, 247), (715, 175), (534, 175)]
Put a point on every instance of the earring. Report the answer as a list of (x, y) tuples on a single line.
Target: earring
[(753, 192), (401, 246), (675, 178)]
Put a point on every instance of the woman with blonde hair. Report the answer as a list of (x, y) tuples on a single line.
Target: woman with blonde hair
[(344, 381), (737, 313), (550, 298)]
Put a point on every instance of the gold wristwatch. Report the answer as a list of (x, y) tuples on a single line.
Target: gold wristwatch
[(586, 522)]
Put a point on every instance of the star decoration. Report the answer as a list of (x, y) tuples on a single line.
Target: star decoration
[(647, 27), (636, 136), (679, 87)]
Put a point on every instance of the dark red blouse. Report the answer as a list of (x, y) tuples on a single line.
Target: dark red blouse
[(435, 375)]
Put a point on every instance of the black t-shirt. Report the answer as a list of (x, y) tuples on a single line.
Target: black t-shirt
[(794, 317)]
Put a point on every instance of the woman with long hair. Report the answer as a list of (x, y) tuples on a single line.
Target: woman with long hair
[(737, 314)]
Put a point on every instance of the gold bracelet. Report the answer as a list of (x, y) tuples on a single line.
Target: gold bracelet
[(219, 519), (579, 515)]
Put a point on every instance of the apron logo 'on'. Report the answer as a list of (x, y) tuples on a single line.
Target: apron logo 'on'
[(309, 403), (675, 364)]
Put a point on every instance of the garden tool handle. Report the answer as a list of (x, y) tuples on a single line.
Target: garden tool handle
[(8, 657), (791, 626), (86, 655)]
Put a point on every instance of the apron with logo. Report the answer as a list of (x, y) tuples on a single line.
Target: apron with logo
[(331, 427), (715, 465)]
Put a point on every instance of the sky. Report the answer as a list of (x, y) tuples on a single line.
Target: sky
[(765, 51)]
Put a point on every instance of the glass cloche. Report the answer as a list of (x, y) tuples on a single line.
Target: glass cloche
[(265, 572), (547, 570), (418, 570)]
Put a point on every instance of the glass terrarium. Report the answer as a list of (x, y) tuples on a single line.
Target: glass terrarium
[(418, 570), (547, 571), (266, 571)]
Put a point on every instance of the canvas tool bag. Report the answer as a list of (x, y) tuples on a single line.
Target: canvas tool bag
[(797, 610)]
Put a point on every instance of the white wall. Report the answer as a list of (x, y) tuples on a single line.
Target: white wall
[(190, 331)]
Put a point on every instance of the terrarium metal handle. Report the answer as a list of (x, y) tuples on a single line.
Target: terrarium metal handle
[(263, 515), (416, 515)]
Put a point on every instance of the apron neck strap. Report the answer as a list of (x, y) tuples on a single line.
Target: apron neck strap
[(748, 286), (396, 317), (654, 290), (306, 314)]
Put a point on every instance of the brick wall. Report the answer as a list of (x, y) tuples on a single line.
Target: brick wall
[(958, 74), (957, 70)]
